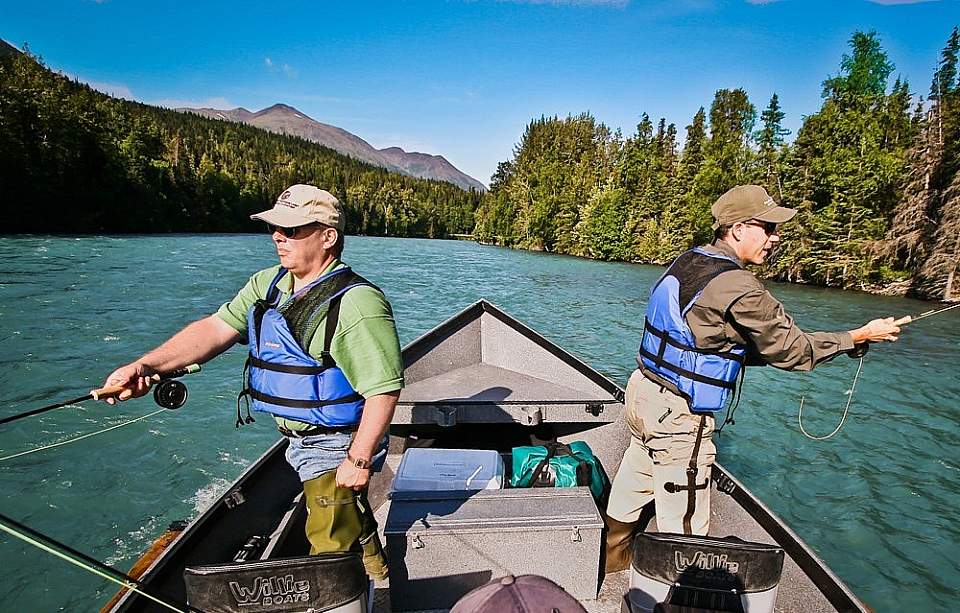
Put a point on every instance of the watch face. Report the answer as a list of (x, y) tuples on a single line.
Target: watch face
[(358, 462)]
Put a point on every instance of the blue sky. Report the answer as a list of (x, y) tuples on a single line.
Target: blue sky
[(463, 78)]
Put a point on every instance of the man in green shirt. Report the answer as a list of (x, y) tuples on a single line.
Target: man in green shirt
[(333, 454)]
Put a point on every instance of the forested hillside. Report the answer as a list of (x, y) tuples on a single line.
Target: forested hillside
[(873, 174), (75, 160)]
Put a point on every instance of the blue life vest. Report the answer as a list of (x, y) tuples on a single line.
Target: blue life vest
[(282, 378), (704, 377)]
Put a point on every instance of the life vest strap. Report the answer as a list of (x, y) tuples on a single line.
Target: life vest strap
[(330, 329), (301, 404), (683, 372), (665, 338), (294, 370)]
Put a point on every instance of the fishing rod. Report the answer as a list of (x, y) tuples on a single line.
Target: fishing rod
[(168, 393), (860, 351), (909, 319), (90, 564)]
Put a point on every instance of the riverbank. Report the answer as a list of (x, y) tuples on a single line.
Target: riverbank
[(898, 289)]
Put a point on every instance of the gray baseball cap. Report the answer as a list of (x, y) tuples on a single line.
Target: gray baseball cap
[(300, 205), (746, 202), (523, 594)]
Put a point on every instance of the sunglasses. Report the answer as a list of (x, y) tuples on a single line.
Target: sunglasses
[(768, 226), (288, 232)]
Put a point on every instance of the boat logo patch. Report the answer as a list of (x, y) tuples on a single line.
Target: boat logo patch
[(268, 591), (711, 566)]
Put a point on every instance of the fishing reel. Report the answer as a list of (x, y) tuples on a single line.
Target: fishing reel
[(170, 394), (859, 350)]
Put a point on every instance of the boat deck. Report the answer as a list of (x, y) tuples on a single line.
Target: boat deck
[(731, 510)]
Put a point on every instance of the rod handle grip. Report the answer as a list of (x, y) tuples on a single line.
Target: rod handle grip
[(903, 321), (114, 390), (106, 392)]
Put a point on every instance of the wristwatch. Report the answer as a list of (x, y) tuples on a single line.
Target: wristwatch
[(358, 462)]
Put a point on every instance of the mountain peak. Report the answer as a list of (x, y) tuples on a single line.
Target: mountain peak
[(279, 108), (284, 119)]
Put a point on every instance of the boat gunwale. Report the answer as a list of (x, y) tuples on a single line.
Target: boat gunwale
[(812, 565), (170, 552)]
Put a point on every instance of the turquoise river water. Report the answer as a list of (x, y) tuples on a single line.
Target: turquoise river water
[(879, 502)]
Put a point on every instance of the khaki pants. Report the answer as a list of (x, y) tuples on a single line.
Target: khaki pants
[(340, 519), (668, 460)]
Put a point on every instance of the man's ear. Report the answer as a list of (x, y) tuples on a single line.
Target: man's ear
[(329, 237), (736, 231)]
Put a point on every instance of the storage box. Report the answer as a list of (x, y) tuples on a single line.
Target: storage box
[(441, 545), (431, 469)]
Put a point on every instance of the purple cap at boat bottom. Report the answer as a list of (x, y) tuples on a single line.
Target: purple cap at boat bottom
[(523, 594)]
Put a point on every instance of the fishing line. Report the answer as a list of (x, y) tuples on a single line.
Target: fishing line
[(846, 409), (79, 438), (87, 563), (860, 353)]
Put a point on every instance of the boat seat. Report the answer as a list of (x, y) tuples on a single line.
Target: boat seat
[(333, 582), (693, 574)]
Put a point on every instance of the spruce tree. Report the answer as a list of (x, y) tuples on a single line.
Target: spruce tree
[(770, 141)]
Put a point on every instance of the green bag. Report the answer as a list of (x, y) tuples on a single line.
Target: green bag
[(558, 465)]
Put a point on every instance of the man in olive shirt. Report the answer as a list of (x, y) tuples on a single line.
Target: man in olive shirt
[(334, 462), (715, 317)]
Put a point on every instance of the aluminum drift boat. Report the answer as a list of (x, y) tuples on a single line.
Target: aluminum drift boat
[(481, 380)]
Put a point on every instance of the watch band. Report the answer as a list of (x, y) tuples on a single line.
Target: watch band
[(358, 462)]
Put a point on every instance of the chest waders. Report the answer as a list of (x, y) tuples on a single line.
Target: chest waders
[(705, 378), (281, 377)]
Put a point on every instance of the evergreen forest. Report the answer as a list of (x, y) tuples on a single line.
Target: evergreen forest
[(80, 161), (873, 174)]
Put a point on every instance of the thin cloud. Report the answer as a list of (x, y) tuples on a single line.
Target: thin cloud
[(216, 102), (762, 1), (314, 98), (447, 94), (410, 144), (286, 69), (611, 3), (117, 90)]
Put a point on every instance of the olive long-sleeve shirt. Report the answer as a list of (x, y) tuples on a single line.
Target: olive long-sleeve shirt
[(736, 309)]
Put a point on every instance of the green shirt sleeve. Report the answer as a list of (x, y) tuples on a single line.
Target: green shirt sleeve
[(234, 313), (365, 346)]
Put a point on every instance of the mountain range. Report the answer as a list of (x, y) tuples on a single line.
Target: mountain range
[(284, 119)]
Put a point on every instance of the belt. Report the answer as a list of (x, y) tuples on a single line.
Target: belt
[(315, 430)]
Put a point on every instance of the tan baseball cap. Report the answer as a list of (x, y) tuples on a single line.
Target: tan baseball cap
[(745, 202), (300, 205)]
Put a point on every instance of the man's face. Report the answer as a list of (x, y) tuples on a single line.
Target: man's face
[(756, 240), (305, 249)]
